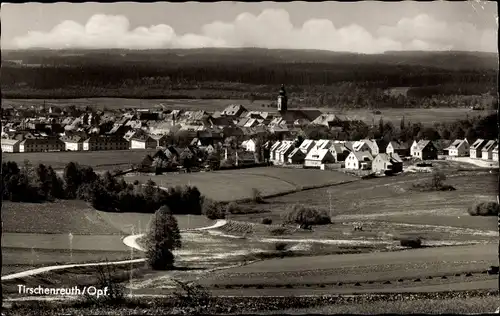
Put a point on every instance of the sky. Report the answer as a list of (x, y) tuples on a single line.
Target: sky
[(361, 27)]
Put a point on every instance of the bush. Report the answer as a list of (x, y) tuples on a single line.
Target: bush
[(306, 217), (256, 196), (411, 242), (163, 237), (280, 246), (233, 208), (267, 221), (278, 231), (213, 210), (484, 209), (136, 182)]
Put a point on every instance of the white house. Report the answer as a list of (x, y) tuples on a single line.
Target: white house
[(487, 151), (359, 160), (143, 142), (10, 145), (367, 145), (495, 153), (272, 151), (477, 147), (74, 143), (283, 151), (317, 157), (459, 148), (249, 145)]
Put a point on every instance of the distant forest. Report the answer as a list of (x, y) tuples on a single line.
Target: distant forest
[(314, 78)]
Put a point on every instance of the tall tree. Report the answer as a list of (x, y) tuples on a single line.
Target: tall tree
[(163, 237)]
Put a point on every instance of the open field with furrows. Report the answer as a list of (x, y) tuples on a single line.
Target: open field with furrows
[(110, 159), (232, 185), (480, 305), (397, 267), (425, 116)]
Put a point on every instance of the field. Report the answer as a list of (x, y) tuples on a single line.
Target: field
[(98, 160), (425, 116), (238, 184)]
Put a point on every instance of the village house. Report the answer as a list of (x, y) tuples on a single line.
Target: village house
[(424, 150), (161, 140), (249, 145), (495, 153), (477, 147), (339, 151), (10, 145), (395, 147), (459, 148), (272, 151), (359, 160), (388, 162), (143, 142), (318, 157), (367, 145), (487, 151), (73, 143), (296, 157), (307, 145), (41, 144), (327, 119), (105, 142), (234, 110), (284, 150)]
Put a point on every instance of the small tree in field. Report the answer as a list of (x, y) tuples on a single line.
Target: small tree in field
[(437, 180), (306, 217), (163, 237)]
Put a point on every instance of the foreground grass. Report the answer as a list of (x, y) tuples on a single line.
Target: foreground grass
[(433, 303)]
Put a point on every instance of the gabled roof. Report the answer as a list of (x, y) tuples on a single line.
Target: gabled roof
[(398, 145), (423, 143), (296, 152), (286, 145), (391, 158), (275, 146), (489, 145), (307, 143), (361, 155), (478, 144), (317, 154), (323, 144)]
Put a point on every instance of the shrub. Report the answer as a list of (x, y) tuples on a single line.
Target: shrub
[(278, 231), (136, 182), (280, 246), (192, 295), (411, 242), (163, 237), (307, 217), (256, 196), (484, 209), (233, 208), (213, 210), (267, 221)]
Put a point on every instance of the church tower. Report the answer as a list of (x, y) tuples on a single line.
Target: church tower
[(282, 100)]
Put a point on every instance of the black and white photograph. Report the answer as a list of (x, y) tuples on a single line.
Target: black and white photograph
[(236, 158)]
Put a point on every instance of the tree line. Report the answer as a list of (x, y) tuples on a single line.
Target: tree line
[(104, 192)]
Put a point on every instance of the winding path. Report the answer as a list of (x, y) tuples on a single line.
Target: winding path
[(130, 241)]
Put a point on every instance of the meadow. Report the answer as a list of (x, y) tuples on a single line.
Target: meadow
[(234, 185), (98, 160)]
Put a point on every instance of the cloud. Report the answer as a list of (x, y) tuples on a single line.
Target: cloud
[(272, 28)]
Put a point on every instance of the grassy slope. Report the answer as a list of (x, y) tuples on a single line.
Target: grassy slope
[(237, 184)]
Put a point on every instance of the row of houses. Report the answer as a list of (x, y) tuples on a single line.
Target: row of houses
[(366, 154), (78, 143)]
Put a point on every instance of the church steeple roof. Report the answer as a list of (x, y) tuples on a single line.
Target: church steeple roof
[(282, 90)]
